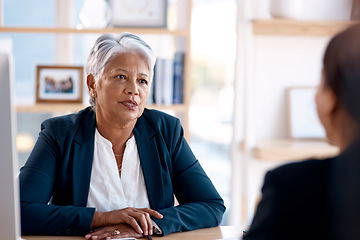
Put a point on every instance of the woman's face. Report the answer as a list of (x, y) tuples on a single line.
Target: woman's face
[(122, 90)]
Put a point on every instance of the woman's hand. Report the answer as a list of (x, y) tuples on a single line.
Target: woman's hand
[(114, 232), (139, 219)]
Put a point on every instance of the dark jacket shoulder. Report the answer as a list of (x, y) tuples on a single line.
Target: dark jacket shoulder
[(158, 119), (299, 173), (69, 121)]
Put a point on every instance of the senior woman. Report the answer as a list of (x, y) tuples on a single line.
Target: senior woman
[(320, 199), (112, 170)]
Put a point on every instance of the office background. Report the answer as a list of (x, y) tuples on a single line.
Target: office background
[(242, 61)]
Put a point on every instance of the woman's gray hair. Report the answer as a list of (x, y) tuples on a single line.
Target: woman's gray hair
[(107, 46)]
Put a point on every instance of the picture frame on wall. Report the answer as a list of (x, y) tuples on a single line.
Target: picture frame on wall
[(138, 13), (63, 84), (304, 122)]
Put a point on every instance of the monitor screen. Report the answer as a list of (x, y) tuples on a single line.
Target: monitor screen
[(9, 187)]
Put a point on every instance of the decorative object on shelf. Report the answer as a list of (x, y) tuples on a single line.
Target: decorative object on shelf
[(303, 118), (286, 8), (95, 14), (59, 84), (138, 13), (311, 10), (355, 10)]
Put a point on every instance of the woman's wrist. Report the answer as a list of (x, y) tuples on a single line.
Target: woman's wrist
[(98, 220)]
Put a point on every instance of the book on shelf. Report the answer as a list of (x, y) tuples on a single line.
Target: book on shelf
[(168, 81), (178, 91)]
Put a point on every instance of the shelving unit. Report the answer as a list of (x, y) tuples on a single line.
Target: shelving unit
[(293, 149), (251, 155), (298, 27), (182, 32)]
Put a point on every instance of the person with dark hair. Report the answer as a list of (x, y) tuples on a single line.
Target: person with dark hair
[(67, 85), (115, 168), (320, 199)]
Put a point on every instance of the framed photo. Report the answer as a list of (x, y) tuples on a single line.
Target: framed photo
[(303, 119), (59, 84), (138, 13)]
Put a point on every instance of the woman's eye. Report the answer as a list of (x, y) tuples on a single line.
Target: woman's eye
[(121, 76), (143, 81)]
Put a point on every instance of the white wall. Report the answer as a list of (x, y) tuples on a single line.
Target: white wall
[(281, 62)]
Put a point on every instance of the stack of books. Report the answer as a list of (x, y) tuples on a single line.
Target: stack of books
[(168, 82)]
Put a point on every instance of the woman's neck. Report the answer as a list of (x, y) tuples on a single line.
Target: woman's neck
[(345, 132), (117, 134)]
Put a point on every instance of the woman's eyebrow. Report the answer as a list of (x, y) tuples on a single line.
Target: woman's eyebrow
[(127, 71), (124, 70), (143, 74)]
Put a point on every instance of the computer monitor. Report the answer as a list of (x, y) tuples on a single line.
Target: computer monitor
[(9, 187)]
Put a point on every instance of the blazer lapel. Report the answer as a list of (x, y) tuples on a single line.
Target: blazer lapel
[(150, 162), (83, 158)]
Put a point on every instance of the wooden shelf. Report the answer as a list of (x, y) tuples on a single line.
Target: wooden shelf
[(50, 107), (293, 150), (298, 27), (58, 30), (74, 107)]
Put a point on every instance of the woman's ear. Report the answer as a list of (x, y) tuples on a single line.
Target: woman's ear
[(90, 82), (326, 106), (330, 102), (329, 112)]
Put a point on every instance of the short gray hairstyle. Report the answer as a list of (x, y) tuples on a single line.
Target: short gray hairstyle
[(107, 46)]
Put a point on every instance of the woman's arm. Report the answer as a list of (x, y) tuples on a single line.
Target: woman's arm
[(200, 205), (37, 180)]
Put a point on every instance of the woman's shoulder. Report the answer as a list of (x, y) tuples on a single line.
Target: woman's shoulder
[(154, 121), (157, 116), (68, 121), (300, 171)]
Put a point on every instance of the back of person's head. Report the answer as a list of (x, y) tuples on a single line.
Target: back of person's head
[(107, 46), (342, 69)]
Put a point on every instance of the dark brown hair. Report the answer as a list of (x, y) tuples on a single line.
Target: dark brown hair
[(342, 69)]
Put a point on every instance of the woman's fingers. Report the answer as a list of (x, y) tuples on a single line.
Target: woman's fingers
[(114, 232), (153, 213), (139, 219), (138, 216), (102, 233), (132, 220), (145, 222)]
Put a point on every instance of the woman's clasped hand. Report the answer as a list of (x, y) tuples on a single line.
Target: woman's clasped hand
[(127, 222)]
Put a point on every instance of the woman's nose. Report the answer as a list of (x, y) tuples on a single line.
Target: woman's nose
[(132, 88)]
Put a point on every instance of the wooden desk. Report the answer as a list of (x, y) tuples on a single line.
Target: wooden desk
[(223, 232)]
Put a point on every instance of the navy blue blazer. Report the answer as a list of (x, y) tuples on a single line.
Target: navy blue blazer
[(54, 182), (313, 199)]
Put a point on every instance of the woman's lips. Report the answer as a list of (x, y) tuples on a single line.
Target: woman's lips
[(130, 104)]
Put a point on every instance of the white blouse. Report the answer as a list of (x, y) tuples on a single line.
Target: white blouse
[(108, 191)]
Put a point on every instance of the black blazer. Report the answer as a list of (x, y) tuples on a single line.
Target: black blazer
[(313, 199), (59, 170)]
